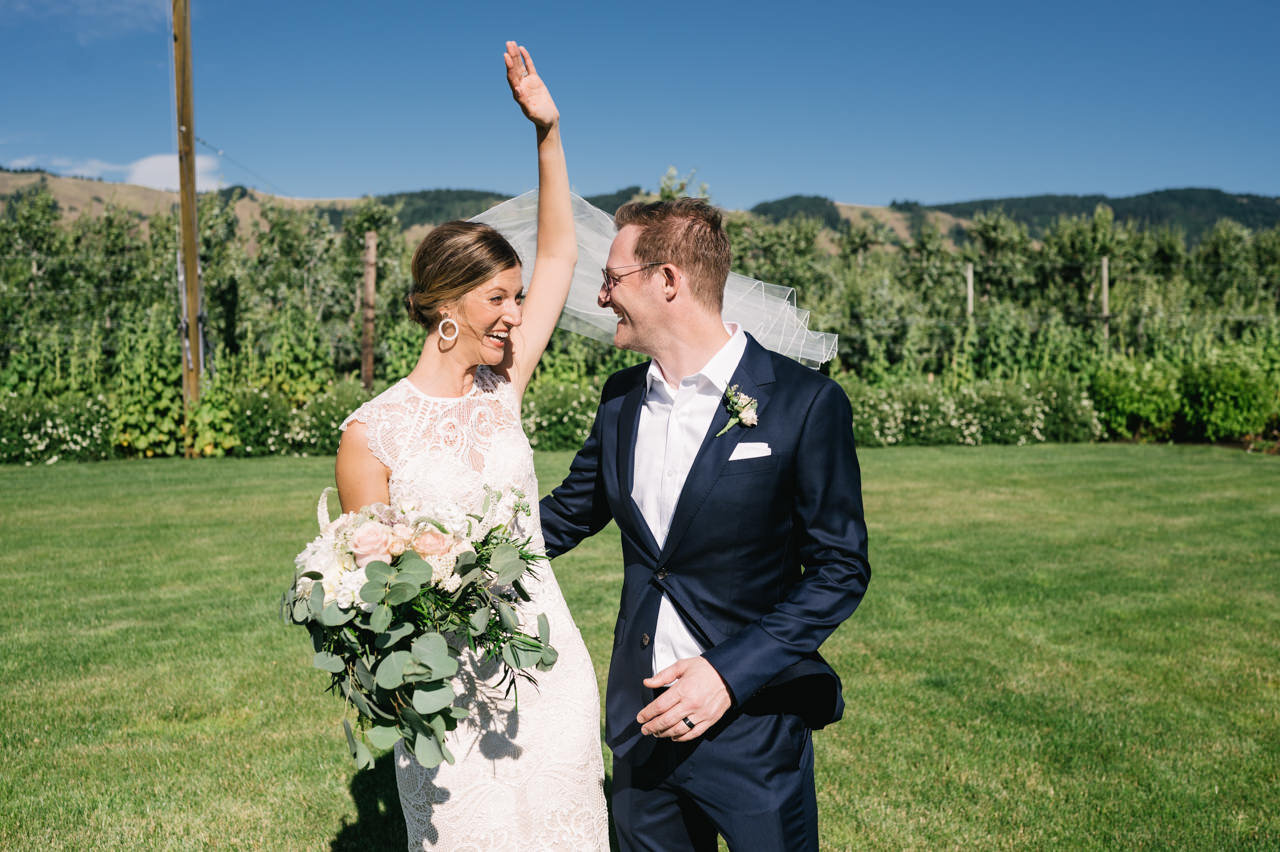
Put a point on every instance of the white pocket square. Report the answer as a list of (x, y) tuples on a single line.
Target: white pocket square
[(749, 451)]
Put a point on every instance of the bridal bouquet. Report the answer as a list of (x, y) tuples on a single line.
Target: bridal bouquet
[(391, 597)]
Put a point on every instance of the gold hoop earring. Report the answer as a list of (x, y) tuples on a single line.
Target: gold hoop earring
[(449, 337)]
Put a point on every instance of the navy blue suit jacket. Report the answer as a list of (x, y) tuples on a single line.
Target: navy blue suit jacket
[(765, 556)]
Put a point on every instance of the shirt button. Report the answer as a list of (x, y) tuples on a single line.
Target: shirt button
[(670, 474), (662, 574), (644, 641)]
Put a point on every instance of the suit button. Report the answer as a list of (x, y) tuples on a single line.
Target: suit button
[(644, 640), (662, 574)]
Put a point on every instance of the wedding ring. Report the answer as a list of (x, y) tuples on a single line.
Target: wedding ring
[(690, 724)]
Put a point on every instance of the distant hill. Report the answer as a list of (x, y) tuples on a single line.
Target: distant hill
[(611, 201), (1193, 210), (813, 206)]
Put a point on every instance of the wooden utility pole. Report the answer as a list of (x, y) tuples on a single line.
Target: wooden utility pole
[(968, 288), (370, 288), (189, 252), (1106, 299)]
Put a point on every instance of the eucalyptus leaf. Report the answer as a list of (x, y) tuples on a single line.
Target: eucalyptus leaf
[(378, 572), (316, 600), (525, 657), (479, 621), (410, 560), (506, 615), (448, 755), (390, 673), (433, 697), (506, 563), (428, 752), (459, 712), (549, 657), (544, 628), (518, 585), (440, 725), (312, 575), (364, 676), (301, 610), (509, 656), (328, 662), (373, 592), (333, 616), (431, 650), (401, 592), (382, 736), (362, 755), (464, 562), (416, 723), (379, 621), (392, 634)]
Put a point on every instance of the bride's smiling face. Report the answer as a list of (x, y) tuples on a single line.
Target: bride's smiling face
[(486, 317)]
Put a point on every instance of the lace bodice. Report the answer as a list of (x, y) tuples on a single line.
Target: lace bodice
[(526, 778), (443, 451)]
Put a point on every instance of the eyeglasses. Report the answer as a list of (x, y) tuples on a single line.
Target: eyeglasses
[(612, 279)]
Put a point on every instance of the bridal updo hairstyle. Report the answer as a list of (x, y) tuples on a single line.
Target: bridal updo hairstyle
[(687, 232), (452, 260)]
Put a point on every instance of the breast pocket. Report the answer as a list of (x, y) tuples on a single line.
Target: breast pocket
[(760, 464)]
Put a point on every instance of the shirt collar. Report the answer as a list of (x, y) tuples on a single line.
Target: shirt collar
[(719, 370)]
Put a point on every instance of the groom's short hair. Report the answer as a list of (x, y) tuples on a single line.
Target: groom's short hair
[(688, 233)]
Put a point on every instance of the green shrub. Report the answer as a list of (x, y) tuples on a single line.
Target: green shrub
[(558, 414), (1010, 413), (146, 398), (1137, 400), (1225, 397), (1069, 412), (263, 417), (315, 429)]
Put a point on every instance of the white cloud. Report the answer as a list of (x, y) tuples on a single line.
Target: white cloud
[(160, 171)]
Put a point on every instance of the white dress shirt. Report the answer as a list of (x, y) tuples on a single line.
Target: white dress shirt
[(673, 423)]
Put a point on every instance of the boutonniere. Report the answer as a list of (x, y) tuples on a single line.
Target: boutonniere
[(742, 409)]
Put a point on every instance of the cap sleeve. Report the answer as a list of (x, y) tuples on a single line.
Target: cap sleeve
[(373, 415)]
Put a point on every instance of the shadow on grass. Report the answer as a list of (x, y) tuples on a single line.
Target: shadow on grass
[(379, 821)]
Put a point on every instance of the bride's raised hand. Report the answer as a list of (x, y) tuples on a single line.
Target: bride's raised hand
[(528, 89)]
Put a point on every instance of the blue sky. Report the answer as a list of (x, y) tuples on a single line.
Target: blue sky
[(857, 101)]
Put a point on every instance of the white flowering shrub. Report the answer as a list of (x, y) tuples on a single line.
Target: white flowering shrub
[(931, 413), (73, 427)]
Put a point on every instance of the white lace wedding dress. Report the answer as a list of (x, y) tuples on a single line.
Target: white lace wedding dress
[(527, 779)]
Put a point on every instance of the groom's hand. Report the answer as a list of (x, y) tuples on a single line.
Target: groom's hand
[(698, 695)]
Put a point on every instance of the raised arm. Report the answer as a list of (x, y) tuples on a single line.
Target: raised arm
[(557, 246)]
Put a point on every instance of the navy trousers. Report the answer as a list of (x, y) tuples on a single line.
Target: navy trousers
[(749, 779)]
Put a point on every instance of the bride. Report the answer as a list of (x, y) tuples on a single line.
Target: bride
[(532, 777)]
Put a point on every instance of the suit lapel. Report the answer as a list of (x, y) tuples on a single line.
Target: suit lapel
[(628, 429), (754, 377)]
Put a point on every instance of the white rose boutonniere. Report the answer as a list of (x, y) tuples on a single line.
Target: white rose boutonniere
[(742, 409)]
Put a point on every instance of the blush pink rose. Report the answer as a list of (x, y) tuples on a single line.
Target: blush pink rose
[(400, 535), (432, 542), (371, 542)]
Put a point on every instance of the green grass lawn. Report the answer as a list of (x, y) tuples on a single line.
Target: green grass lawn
[(1061, 646)]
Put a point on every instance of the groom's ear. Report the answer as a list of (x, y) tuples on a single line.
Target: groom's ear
[(673, 280)]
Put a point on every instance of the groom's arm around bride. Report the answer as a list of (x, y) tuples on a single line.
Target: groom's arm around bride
[(732, 475)]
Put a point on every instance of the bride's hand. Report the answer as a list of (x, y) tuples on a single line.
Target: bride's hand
[(528, 89)]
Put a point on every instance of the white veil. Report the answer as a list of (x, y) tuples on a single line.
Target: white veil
[(767, 311)]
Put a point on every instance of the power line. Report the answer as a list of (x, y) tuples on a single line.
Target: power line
[(224, 155)]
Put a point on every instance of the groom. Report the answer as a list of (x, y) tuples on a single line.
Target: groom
[(731, 474)]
